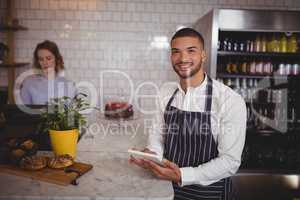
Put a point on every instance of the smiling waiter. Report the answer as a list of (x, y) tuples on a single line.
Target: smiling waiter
[(201, 131)]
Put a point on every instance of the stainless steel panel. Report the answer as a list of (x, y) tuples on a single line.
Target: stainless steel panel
[(259, 20), (207, 26)]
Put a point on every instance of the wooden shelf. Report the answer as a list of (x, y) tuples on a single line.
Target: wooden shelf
[(262, 54), (9, 65), (4, 28), (264, 171), (224, 75)]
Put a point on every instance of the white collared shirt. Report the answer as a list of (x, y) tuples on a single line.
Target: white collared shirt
[(228, 125)]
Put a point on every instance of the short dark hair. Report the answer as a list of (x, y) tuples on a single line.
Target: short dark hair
[(52, 47), (188, 32)]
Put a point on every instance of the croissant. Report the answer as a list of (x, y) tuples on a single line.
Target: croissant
[(60, 161)]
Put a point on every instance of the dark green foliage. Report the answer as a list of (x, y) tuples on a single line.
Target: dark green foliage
[(65, 113)]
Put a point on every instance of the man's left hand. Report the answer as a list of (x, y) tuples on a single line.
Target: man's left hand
[(169, 171)]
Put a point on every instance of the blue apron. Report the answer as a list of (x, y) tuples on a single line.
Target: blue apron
[(189, 142)]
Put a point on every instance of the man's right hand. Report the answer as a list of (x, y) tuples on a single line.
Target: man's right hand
[(140, 161)]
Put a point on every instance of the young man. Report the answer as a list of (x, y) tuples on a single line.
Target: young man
[(205, 125)]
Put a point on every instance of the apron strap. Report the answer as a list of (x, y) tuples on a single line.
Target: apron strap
[(208, 99), (172, 97)]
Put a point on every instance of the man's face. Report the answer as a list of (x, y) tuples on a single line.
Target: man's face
[(187, 56)]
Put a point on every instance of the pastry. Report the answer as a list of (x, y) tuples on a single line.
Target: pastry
[(27, 144), (117, 110), (33, 162), (16, 155), (60, 161)]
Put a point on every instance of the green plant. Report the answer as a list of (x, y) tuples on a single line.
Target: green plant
[(65, 113)]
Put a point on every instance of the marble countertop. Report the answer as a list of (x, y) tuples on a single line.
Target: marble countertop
[(112, 177)]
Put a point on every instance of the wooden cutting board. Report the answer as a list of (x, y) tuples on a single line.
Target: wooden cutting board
[(56, 176)]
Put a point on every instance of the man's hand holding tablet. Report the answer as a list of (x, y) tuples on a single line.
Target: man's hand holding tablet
[(162, 168), (147, 155)]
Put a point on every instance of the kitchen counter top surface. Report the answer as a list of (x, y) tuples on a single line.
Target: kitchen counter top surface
[(112, 177)]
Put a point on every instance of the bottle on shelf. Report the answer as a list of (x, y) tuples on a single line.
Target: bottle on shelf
[(242, 46), (283, 43), (234, 67), (281, 69), (223, 44), (236, 86), (298, 44), (264, 43), (270, 42), (252, 67), (244, 90), (229, 45), (292, 43), (267, 67), (228, 82), (235, 45), (231, 67), (250, 122), (228, 66), (273, 43), (263, 115), (259, 67), (249, 46), (295, 69), (243, 67), (255, 90), (258, 43), (288, 68), (251, 90)]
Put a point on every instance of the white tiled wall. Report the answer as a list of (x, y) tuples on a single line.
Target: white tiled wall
[(126, 35)]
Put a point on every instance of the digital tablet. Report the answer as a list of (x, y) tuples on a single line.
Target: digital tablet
[(148, 156)]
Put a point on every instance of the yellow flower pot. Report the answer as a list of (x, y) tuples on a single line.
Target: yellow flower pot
[(64, 142)]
